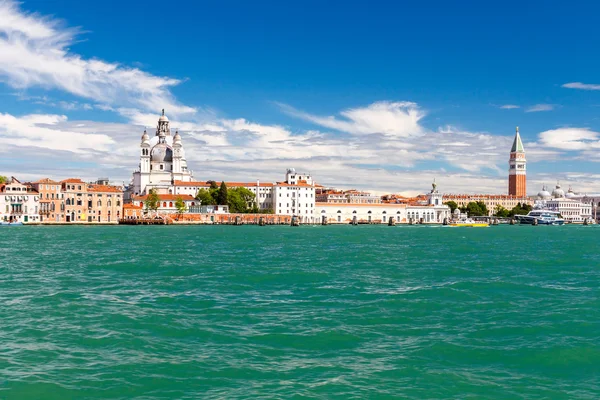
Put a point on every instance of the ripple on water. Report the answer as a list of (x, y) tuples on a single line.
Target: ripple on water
[(327, 312)]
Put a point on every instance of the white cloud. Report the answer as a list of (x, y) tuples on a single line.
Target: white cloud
[(572, 139), (34, 52), (40, 130), (582, 86), (394, 119), (540, 107), (509, 106)]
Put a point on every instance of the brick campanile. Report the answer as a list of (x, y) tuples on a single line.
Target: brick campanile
[(517, 172)]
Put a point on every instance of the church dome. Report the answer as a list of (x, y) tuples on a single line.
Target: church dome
[(145, 136), (558, 193), (570, 194), (162, 153), (544, 194)]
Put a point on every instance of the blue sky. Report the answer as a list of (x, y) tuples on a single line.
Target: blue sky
[(374, 95)]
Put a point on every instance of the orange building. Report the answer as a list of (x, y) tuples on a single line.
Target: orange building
[(91, 202), (517, 172), (52, 203)]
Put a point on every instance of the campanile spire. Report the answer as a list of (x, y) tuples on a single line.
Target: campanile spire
[(517, 172)]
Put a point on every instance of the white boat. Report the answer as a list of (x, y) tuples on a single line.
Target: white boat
[(6, 223), (541, 217)]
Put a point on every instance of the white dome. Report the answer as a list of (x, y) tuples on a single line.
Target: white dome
[(558, 193), (163, 118), (570, 194), (544, 194), (161, 153)]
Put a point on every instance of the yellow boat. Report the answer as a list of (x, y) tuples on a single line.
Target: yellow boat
[(470, 223)]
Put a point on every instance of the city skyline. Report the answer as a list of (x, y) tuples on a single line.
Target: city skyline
[(372, 106)]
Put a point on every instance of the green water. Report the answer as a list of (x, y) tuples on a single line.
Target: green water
[(336, 312)]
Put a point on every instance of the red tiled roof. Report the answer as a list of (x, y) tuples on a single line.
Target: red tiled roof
[(167, 197), (46, 180), (133, 206), (72, 180), (104, 188), (228, 184)]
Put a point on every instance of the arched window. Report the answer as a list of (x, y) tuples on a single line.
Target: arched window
[(68, 202), (339, 211), (354, 212), (193, 204), (164, 204), (170, 204), (369, 212), (99, 203), (323, 211), (385, 212), (141, 204), (109, 203), (118, 203)]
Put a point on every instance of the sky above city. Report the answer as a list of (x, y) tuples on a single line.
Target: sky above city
[(385, 96)]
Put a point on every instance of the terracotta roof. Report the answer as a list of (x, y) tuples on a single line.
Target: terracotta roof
[(167, 197), (130, 205), (104, 189), (72, 180), (46, 180), (228, 184)]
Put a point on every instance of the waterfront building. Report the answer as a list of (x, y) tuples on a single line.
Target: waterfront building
[(52, 200), (263, 191), (166, 202), (162, 162), (91, 203), (570, 208), (434, 211), (295, 196), (517, 172), (18, 202), (348, 196), (491, 201)]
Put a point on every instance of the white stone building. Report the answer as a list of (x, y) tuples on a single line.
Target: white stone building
[(571, 209), (162, 162), (296, 196), (432, 213), (19, 203)]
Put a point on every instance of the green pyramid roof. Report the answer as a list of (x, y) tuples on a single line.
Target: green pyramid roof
[(517, 144)]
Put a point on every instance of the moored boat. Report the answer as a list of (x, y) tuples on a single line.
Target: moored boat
[(468, 222), (541, 217)]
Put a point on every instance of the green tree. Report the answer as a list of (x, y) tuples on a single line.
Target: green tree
[(152, 201), (213, 184), (3, 179), (520, 209), (473, 209), (180, 205), (222, 195), (452, 204), (205, 197), (501, 212), (241, 200), (483, 209)]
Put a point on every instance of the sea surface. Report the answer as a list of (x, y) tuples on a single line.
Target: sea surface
[(275, 312)]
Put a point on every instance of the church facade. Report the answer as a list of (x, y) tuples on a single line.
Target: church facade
[(162, 162)]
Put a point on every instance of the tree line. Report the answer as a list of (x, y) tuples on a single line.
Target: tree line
[(479, 209), (239, 199)]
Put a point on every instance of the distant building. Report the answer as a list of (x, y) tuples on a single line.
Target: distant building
[(162, 162), (52, 200), (491, 201), (348, 196), (18, 202), (570, 208), (166, 202), (433, 211), (517, 172), (91, 203)]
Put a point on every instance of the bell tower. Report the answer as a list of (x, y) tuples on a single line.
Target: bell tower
[(517, 172)]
